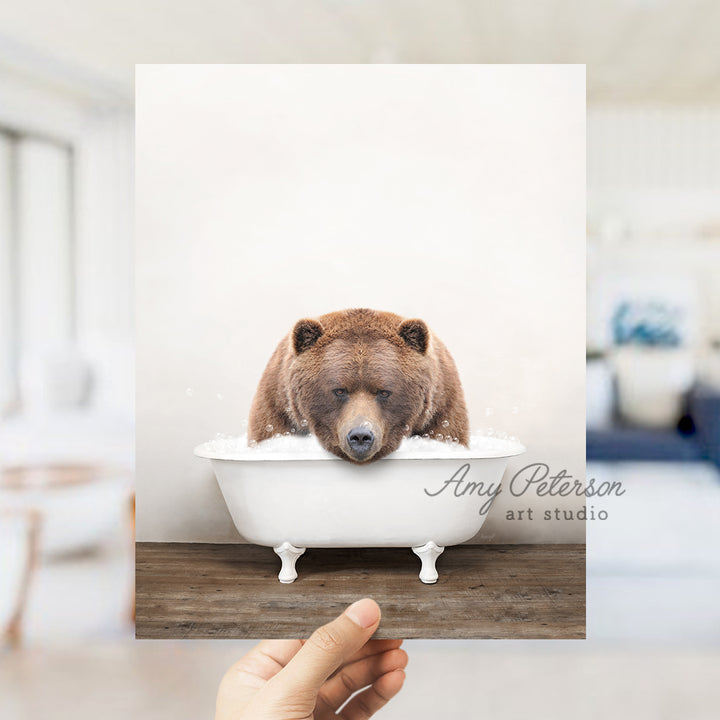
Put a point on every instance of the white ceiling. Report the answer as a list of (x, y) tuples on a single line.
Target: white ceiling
[(635, 50)]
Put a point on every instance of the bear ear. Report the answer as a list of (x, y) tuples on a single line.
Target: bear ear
[(415, 333), (305, 334)]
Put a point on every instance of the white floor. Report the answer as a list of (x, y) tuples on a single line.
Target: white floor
[(653, 620), (461, 679), (653, 567)]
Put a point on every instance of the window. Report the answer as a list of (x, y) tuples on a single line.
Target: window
[(37, 266)]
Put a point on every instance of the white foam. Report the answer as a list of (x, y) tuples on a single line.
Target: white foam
[(307, 447)]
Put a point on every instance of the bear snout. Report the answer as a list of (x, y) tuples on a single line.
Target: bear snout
[(360, 440)]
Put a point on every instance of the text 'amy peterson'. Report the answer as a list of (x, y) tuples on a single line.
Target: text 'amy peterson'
[(535, 478)]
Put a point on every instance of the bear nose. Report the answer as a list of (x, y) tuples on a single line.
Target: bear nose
[(360, 439)]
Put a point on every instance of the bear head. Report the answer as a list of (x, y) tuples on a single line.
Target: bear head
[(360, 380)]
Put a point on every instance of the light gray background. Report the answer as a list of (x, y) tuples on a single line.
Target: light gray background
[(268, 193)]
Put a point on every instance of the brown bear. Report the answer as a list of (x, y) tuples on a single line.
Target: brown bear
[(360, 380)]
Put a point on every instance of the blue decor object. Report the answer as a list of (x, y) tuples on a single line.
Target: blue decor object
[(652, 324)]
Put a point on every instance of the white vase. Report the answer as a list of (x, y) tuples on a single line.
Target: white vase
[(652, 383)]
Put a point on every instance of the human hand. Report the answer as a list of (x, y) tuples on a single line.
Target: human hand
[(312, 679)]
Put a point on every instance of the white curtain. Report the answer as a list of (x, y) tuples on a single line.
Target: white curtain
[(45, 254), (8, 348), (37, 275)]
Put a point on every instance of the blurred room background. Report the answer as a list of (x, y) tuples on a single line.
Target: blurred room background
[(66, 355), (66, 350), (653, 368)]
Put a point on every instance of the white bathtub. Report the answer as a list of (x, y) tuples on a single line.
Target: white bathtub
[(291, 501)]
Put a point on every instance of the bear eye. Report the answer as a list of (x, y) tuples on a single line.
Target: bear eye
[(384, 393), (340, 392)]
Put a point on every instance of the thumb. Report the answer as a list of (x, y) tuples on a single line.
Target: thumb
[(327, 649)]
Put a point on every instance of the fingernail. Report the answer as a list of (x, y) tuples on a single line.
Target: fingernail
[(364, 612)]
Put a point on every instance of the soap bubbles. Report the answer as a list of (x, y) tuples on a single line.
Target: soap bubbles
[(269, 429), (445, 423), (289, 446), (303, 423)]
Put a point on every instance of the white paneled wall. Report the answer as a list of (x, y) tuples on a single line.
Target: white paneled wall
[(654, 207), (654, 170), (656, 148)]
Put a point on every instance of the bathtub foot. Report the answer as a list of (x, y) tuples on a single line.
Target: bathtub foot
[(288, 554), (428, 554)]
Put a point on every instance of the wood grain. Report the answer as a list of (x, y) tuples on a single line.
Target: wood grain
[(190, 590)]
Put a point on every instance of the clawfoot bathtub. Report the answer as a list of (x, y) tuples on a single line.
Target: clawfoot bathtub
[(294, 500)]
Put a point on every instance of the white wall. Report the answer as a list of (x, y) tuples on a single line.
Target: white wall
[(269, 193), (105, 257)]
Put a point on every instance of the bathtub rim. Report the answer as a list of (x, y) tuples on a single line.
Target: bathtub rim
[(514, 449)]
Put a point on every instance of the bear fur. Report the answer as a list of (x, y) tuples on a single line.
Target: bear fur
[(360, 380)]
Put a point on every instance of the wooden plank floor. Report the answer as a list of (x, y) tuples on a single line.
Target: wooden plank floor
[(189, 590)]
